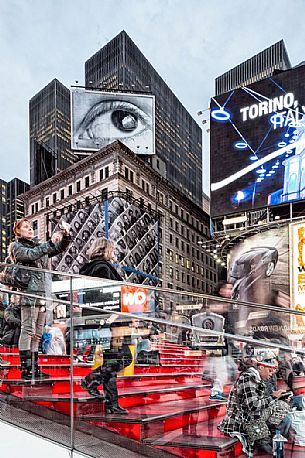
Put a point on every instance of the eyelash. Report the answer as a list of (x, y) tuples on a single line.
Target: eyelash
[(109, 105)]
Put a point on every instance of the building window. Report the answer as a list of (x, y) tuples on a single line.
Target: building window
[(170, 255), (182, 261), (177, 242), (36, 207), (126, 173), (62, 194), (131, 175), (170, 271), (177, 258), (188, 263), (170, 222), (147, 188), (87, 182), (35, 225), (177, 275), (107, 172), (70, 190), (170, 238), (78, 186), (54, 198), (143, 185), (176, 226), (33, 209), (47, 202)]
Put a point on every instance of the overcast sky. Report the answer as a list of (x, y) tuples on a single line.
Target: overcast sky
[(189, 42)]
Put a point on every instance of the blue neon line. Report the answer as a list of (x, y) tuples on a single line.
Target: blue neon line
[(241, 136), (250, 93), (264, 139), (228, 99), (106, 213), (280, 87)]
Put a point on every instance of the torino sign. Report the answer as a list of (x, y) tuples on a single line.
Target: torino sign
[(284, 109)]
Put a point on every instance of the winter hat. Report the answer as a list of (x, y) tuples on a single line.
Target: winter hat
[(267, 359)]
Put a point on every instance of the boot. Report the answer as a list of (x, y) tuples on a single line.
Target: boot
[(38, 374), (115, 408), (26, 364)]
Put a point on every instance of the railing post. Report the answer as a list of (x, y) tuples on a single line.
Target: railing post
[(72, 432)]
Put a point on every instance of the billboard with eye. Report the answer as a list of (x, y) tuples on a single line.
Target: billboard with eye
[(99, 118)]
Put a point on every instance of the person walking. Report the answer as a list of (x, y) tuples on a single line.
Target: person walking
[(27, 250), (101, 255)]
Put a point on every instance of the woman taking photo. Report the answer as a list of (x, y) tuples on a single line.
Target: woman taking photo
[(29, 251)]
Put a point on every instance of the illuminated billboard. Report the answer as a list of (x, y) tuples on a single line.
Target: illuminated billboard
[(297, 274), (99, 118), (258, 271), (258, 144), (132, 228)]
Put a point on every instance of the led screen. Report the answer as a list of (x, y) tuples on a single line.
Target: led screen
[(100, 118), (258, 144), (258, 271)]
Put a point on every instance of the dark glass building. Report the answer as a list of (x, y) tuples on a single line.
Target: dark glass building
[(50, 132), (120, 65), (11, 209), (3, 242), (15, 206), (256, 68)]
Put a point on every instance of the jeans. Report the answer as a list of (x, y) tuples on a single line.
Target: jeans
[(32, 324)]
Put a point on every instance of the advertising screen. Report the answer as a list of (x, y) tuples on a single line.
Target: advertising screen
[(297, 274), (100, 118), (132, 229), (258, 144), (258, 271)]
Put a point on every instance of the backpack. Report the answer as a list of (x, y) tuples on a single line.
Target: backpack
[(14, 275)]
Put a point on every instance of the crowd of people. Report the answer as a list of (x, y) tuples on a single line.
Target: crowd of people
[(256, 408)]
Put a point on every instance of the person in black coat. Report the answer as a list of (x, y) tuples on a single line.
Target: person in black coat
[(12, 323), (101, 255)]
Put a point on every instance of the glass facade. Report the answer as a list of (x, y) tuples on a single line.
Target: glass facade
[(11, 208), (120, 65), (50, 132)]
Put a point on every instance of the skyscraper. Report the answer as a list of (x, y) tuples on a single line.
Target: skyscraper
[(11, 208), (258, 67), (120, 65), (3, 242), (50, 132)]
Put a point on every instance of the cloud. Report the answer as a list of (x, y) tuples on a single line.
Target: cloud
[(189, 44)]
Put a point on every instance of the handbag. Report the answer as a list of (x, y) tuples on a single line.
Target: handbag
[(256, 430), (15, 276)]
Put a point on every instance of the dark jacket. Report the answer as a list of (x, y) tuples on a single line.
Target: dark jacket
[(98, 267), (12, 325), (117, 358), (34, 253)]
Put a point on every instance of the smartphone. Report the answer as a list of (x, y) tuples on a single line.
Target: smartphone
[(286, 395)]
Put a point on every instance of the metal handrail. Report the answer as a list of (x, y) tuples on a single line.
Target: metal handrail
[(195, 329)]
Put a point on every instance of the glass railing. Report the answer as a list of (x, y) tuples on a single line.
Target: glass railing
[(138, 367)]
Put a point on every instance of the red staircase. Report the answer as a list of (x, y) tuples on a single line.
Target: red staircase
[(168, 405)]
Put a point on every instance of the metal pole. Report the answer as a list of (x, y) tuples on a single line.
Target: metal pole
[(72, 432)]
